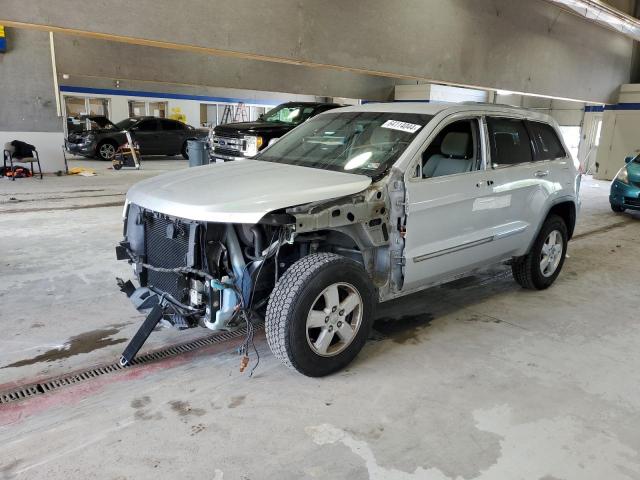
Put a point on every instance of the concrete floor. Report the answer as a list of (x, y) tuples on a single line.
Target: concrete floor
[(477, 379)]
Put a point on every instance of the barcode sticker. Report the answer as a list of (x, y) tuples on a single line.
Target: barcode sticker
[(402, 126)]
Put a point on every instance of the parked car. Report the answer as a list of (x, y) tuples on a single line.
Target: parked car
[(234, 141), (355, 206), (155, 136), (625, 189)]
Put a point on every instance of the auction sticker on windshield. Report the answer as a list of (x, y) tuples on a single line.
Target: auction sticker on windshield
[(402, 126)]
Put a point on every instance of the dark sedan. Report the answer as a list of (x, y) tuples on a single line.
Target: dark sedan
[(155, 136)]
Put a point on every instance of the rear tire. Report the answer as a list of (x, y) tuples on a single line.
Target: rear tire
[(320, 314), (617, 208), (541, 266)]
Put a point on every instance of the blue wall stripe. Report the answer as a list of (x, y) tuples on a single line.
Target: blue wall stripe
[(618, 106), (174, 96), (623, 106)]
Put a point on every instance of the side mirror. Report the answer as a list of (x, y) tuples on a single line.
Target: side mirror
[(628, 159), (272, 141)]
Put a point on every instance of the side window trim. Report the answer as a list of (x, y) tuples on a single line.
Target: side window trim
[(415, 167)]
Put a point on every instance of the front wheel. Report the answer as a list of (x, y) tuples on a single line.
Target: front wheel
[(106, 151), (617, 208), (541, 266), (184, 151), (320, 314)]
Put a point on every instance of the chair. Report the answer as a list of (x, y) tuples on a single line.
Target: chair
[(9, 154)]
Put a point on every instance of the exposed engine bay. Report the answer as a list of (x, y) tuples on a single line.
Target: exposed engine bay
[(220, 275)]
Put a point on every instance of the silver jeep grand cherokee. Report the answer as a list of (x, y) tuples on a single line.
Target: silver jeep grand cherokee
[(358, 205)]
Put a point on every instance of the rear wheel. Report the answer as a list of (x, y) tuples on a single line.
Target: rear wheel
[(106, 150), (541, 266), (617, 208), (320, 314)]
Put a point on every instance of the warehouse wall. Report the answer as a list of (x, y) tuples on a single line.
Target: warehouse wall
[(87, 58), (620, 132), (27, 102), (523, 46)]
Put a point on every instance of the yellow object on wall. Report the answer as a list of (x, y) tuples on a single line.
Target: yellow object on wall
[(176, 114), (3, 40)]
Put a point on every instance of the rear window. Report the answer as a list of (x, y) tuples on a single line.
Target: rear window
[(510, 142), (545, 139)]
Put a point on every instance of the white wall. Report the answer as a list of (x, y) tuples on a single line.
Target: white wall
[(439, 93), (620, 133), (48, 144), (589, 141)]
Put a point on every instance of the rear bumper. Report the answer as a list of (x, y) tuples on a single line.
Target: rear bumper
[(625, 196)]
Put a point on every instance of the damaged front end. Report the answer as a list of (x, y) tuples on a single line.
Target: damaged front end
[(192, 273)]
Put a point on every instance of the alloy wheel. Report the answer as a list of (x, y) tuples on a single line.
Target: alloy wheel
[(334, 319), (551, 253), (107, 151)]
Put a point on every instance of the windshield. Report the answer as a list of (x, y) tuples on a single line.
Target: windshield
[(366, 143), (289, 113), (127, 123)]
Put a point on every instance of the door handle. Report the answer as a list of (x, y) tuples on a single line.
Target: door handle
[(541, 173)]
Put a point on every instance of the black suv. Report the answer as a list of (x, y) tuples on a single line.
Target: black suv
[(234, 141), (155, 136)]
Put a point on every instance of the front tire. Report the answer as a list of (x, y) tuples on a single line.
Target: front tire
[(541, 266), (184, 153), (320, 314), (617, 208), (106, 151)]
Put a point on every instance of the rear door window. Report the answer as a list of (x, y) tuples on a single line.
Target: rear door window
[(509, 141), (545, 139)]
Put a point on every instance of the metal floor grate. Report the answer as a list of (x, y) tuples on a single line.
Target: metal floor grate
[(55, 383)]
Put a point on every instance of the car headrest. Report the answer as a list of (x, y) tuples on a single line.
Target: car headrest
[(455, 144), (505, 144)]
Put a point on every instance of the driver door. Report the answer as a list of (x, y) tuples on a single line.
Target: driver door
[(451, 205)]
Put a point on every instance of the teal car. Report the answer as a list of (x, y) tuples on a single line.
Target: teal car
[(625, 189)]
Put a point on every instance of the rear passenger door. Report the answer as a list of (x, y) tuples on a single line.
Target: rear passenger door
[(521, 180), (173, 136), (551, 158)]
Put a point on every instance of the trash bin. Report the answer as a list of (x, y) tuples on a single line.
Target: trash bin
[(198, 152)]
